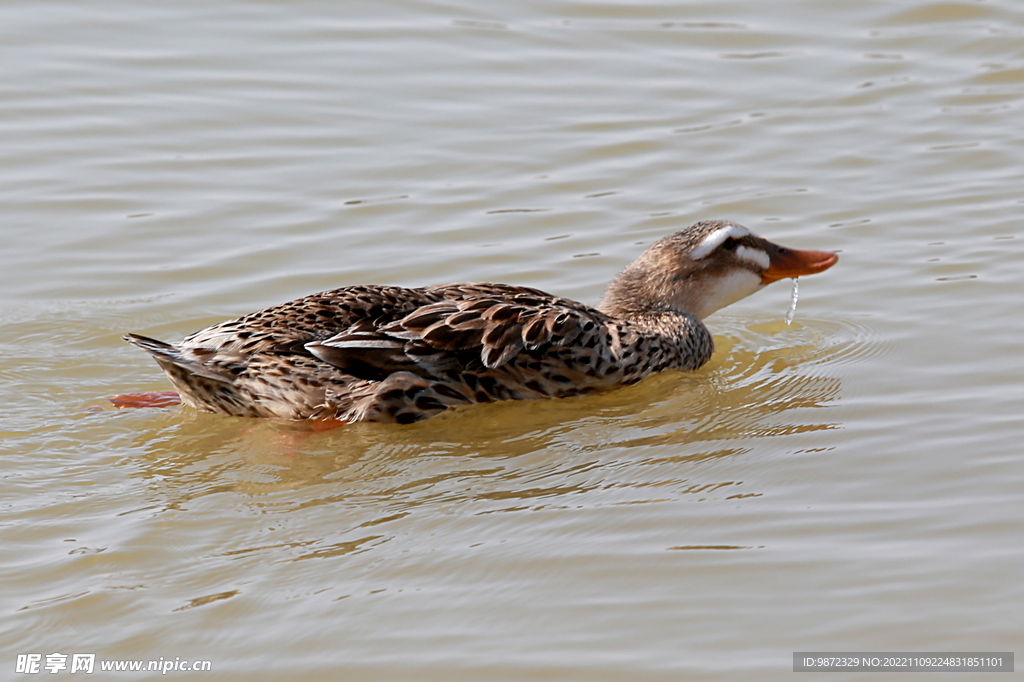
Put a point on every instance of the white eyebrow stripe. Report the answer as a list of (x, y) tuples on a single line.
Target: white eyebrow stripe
[(754, 256), (716, 239)]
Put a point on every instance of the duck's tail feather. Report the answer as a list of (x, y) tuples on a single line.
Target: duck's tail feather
[(165, 353)]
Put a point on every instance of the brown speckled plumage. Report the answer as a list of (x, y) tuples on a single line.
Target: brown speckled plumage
[(394, 354)]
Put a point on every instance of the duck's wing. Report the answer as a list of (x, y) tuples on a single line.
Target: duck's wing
[(473, 328)]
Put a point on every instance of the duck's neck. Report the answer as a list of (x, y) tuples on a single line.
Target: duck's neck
[(640, 290), (651, 320)]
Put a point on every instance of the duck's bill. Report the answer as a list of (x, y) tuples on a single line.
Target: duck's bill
[(785, 263)]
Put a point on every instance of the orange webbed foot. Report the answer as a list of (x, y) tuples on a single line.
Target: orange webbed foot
[(146, 399), (318, 425)]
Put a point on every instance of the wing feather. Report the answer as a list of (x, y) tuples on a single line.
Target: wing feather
[(486, 325)]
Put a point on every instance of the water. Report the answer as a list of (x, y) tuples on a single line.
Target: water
[(791, 313), (851, 481)]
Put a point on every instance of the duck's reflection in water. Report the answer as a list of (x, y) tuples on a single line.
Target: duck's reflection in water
[(639, 444)]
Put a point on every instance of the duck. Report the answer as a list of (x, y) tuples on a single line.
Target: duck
[(402, 355)]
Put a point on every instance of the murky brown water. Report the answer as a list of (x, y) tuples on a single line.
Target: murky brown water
[(850, 482)]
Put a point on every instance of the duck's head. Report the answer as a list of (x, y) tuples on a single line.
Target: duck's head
[(706, 267)]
